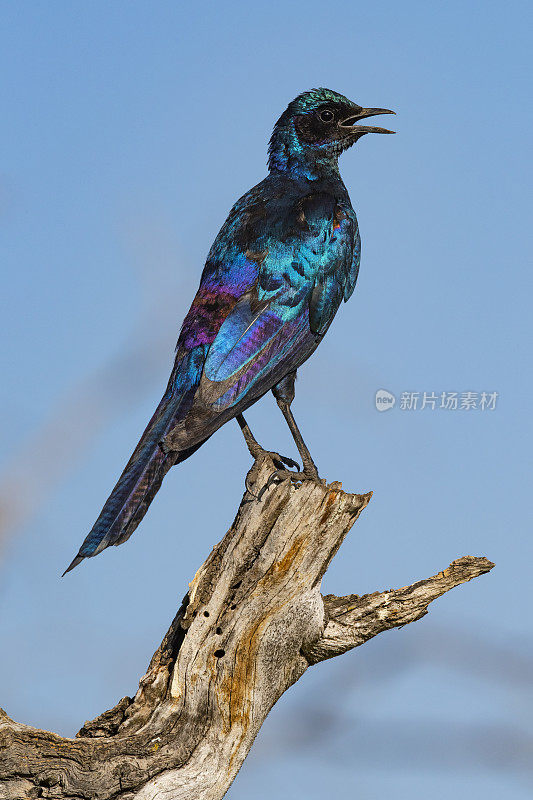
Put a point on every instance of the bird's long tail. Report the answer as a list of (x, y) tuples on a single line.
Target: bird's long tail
[(139, 483)]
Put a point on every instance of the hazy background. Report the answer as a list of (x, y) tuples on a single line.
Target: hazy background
[(128, 130)]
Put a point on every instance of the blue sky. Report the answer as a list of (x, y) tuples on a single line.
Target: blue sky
[(129, 129)]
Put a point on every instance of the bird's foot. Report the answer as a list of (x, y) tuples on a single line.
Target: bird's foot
[(309, 473), (258, 453), (280, 462)]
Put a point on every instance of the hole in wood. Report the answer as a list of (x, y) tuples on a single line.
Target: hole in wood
[(219, 631), (206, 613), (219, 653)]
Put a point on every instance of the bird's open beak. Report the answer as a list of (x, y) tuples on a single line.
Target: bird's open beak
[(350, 122)]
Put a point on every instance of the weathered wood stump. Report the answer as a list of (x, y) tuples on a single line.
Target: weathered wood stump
[(251, 624)]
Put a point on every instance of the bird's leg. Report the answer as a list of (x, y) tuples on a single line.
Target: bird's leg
[(284, 394), (309, 466), (257, 452), (251, 442)]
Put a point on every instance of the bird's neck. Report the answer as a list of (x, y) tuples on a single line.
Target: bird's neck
[(286, 155)]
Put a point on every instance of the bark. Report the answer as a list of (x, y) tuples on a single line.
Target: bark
[(251, 624)]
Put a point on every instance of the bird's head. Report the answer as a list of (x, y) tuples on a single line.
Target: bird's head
[(315, 129)]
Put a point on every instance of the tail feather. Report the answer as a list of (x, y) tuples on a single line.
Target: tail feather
[(135, 489), (153, 486), (73, 563), (142, 477)]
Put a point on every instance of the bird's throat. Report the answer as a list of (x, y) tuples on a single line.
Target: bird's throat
[(287, 154)]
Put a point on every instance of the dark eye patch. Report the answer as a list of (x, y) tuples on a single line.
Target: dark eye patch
[(310, 129)]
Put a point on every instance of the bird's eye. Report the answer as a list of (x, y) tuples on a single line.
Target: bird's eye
[(326, 115)]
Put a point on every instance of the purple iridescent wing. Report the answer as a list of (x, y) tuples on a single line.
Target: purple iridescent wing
[(277, 324), (262, 308), (252, 344)]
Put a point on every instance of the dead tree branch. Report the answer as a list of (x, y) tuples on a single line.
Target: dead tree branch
[(251, 624)]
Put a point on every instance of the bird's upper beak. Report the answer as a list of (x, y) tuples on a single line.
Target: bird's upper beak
[(349, 122)]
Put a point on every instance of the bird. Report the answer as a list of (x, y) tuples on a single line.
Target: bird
[(284, 260)]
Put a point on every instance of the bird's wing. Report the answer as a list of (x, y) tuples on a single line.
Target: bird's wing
[(256, 342), (276, 324), (354, 269), (264, 303)]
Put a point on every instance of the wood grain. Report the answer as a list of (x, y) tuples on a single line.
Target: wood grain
[(251, 624)]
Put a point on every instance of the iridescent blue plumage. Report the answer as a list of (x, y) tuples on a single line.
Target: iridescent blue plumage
[(284, 260)]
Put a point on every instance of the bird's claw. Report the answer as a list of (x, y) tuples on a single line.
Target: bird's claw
[(280, 475), (279, 461), (289, 462)]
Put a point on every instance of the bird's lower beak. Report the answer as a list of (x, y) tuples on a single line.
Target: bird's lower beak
[(350, 122)]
